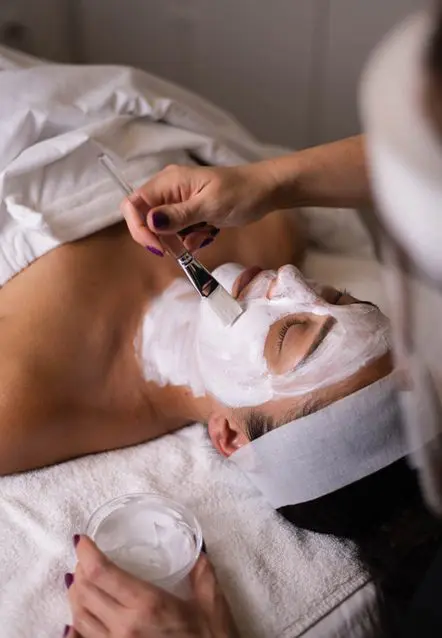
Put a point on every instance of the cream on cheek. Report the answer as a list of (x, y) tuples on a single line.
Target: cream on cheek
[(166, 343), (232, 360), (182, 342)]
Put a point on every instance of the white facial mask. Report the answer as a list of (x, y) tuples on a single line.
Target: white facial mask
[(183, 343), (166, 344)]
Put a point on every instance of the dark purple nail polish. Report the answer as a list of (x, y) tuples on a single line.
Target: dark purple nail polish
[(66, 631), (204, 548), (206, 242), (76, 539), (160, 220), (68, 579), (155, 251), (214, 232)]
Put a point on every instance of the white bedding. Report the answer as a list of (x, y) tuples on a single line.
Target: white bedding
[(281, 582)]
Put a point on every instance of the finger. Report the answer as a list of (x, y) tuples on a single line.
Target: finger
[(88, 626), (201, 226), (85, 594), (195, 241), (203, 579), (172, 218), (71, 633), (106, 576), (210, 597), (135, 212)]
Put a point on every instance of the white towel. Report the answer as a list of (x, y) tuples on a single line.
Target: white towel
[(54, 122), (278, 580)]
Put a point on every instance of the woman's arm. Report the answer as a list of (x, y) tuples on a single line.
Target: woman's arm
[(181, 196), (329, 175)]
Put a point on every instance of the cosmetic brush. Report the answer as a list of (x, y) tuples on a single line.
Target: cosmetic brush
[(221, 302)]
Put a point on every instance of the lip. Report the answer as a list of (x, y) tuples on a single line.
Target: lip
[(245, 279)]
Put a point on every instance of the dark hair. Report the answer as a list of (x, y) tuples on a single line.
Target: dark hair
[(384, 514)]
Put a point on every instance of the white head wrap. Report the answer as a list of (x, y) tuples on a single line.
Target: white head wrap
[(321, 453)]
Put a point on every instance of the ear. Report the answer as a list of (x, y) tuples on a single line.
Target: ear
[(226, 434)]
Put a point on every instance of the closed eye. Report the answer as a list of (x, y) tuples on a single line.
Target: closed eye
[(284, 329), (319, 339), (367, 303), (325, 329)]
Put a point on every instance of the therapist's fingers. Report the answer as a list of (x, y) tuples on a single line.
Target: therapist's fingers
[(86, 595), (194, 241), (135, 213), (87, 626), (84, 621), (210, 599), (107, 577), (202, 227), (172, 218)]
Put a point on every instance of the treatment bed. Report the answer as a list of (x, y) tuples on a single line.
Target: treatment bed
[(281, 582)]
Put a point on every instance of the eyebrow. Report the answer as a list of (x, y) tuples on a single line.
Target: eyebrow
[(325, 329), (366, 303)]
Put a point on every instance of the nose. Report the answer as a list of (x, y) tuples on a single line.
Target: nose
[(274, 284), (289, 282), (228, 274), (277, 282)]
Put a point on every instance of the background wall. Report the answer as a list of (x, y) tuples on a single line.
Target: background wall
[(288, 69), (41, 27)]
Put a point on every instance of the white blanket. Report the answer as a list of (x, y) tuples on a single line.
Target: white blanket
[(54, 122), (280, 581)]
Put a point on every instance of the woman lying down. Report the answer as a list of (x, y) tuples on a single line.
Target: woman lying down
[(105, 345)]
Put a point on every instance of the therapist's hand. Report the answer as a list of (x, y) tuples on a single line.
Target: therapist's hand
[(106, 602), (200, 200)]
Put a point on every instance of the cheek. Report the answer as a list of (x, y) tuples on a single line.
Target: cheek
[(237, 350)]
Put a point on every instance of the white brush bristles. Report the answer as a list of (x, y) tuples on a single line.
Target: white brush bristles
[(224, 306)]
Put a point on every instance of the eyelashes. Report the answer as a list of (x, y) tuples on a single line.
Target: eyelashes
[(340, 294), (281, 334), (283, 331)]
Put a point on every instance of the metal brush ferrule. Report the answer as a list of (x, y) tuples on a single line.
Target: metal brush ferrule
[(199, 277)]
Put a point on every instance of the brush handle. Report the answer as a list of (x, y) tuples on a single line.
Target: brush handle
[(199, 277)]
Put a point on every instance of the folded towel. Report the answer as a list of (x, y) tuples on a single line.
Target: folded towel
[(278, 580)]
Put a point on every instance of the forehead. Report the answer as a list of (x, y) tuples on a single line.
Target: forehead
[(285, 410)]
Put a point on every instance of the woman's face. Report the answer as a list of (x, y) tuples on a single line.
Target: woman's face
[(293, 338)]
